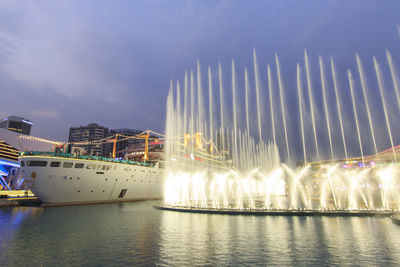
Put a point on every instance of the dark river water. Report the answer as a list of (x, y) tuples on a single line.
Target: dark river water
[(137, 234)]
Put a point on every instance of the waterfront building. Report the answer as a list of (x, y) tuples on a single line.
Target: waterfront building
[(123, 142), (136, 151), (16, 124), (11, 144), (8, 163), (91, 132)]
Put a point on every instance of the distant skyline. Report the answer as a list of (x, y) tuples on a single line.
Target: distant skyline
[(70, 63)]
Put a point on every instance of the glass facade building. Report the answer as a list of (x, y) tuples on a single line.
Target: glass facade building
[(16, 124)]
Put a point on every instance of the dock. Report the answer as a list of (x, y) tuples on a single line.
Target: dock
[(10, 198), (396, 219)]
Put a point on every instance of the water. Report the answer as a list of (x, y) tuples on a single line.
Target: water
[(300, 99), (221, 106), (351, 83), (235, 131), (258, 94), (246, 78), (246, 172), (311, 100), (210, 104), (380, 82), (281, 97), (326, 109), (364, 90), (199, 98), (137, 234), (395, 80), (338, 106), (271, 105), (191, 101)]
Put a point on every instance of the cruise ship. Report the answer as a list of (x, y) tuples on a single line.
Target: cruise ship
[(59, 178)]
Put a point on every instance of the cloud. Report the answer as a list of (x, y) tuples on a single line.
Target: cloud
[(50, 51), (68, 63), (49, 114)]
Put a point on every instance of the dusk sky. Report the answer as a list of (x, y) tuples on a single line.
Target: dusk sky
[(69, 63)]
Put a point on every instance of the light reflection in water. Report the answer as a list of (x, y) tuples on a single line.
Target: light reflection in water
[(136, 233), (221, 239)]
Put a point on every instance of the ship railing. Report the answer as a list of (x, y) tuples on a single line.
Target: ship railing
[(86, 157)]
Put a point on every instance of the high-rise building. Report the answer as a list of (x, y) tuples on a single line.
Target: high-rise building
[(16, 124), (125, 143), (91, 132)]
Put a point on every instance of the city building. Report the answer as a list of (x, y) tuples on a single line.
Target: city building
[(11, 144), (93, 132), (8, 163), (136, 152), (89, 133), (16, 124), (125, 142)]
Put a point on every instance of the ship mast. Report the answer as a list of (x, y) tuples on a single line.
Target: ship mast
[(146, 145), (114, 153)]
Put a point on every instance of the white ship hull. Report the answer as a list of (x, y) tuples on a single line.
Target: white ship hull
[(90, 181)]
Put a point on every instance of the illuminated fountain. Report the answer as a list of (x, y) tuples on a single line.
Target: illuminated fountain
[(224, 158)]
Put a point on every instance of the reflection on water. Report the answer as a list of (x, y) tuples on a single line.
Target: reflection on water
[(133, 233)]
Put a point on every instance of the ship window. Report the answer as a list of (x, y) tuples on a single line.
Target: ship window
[(22, 163), (36, 163), (55, 164), (68, 164), (79, 165), (89, 166), (122, 194), (103, 167)]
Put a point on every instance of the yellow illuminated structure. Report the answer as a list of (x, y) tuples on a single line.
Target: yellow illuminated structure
[(146, 146), (198, 140), (186, 140), (114, 153)]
